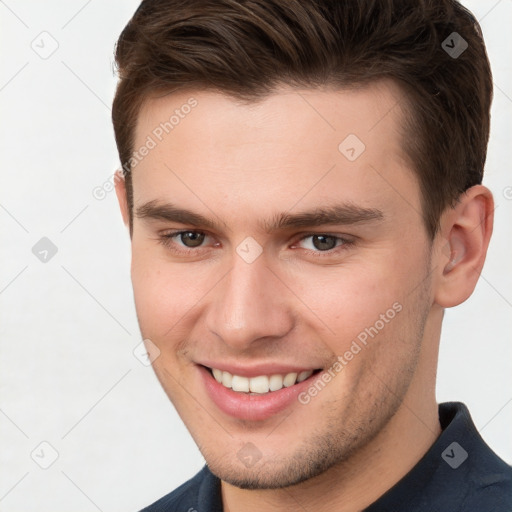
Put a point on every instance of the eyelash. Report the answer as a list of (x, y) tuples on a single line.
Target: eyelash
[(166, 240)]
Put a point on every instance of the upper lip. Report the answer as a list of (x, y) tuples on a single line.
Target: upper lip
[(256, 370)]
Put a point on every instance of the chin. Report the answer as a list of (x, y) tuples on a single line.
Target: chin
[(274, 475)]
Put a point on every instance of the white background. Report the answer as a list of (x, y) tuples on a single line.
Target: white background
[(68, 326)]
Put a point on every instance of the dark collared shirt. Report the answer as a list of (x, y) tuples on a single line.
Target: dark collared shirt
[(459, 473)]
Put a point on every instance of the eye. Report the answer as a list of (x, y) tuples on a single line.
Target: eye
[(181, 241), (324, 243), (318, 244), (191, 239)]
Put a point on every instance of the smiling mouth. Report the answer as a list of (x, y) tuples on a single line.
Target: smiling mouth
[(261, 384)]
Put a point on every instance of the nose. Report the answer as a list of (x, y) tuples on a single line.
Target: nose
[(250, 304)]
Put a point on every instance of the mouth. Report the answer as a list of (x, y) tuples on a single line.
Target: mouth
[(261, 384), (255, 398)]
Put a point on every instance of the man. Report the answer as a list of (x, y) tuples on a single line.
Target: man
[(302, 185)]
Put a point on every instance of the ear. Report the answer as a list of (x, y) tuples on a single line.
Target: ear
[(464, 236), (121, 196)]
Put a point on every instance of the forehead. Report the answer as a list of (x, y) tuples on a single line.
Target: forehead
[(293, 145), (359, 109)]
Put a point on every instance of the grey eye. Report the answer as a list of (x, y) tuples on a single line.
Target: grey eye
[(320, 242)]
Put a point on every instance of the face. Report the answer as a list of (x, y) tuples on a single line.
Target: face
[(275, 238)]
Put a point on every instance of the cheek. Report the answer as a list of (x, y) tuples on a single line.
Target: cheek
[(346, 302), (168, 295), (160, 292)]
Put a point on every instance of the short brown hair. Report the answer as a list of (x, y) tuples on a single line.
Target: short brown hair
[(245, 48)]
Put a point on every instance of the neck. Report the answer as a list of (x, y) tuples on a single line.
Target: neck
[(357, 482)]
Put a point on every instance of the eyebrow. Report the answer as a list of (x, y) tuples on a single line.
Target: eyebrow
[(338, 214)]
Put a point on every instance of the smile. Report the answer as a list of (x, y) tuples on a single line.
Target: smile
[(254, 398), (260, 384)]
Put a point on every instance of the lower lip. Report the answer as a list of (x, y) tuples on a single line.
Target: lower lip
[(253, 407)]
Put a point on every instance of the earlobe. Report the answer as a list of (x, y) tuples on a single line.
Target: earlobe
[(121, 195), (464, 238)]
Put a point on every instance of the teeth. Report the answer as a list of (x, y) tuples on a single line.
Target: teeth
[(240, 384), (276, 382), (290, 380), (217, 374), (260, 384), (227, 379), (304, 375)]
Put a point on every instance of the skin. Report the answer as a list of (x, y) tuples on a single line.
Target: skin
[(297, 303)]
